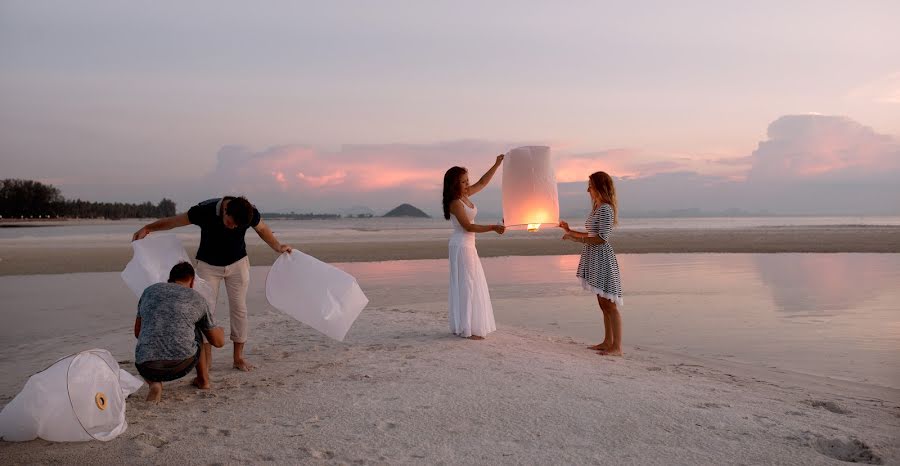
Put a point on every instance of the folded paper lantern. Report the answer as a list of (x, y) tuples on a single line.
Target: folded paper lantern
[(320, 295), (79, 398), (530, 196), (154, 257)]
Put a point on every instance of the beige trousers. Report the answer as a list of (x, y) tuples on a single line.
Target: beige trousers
[(237, 281)]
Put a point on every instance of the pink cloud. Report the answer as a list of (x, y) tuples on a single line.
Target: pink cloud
[(371, 172), (621, 163), (335, 178), (804, 147)]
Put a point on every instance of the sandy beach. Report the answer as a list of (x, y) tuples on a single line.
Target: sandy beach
[(400, 390), (49, 257)]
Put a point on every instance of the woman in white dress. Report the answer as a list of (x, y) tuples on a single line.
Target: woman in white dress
[(471, 314)]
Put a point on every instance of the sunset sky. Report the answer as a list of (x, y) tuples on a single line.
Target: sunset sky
[(790, 107)]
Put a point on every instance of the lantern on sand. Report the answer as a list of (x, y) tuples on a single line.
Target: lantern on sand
[(530, 196), (80, 397)]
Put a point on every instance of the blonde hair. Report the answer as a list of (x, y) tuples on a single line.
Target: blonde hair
[(603, 183)]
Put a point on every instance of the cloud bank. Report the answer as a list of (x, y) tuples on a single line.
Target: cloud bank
[(808, 164)]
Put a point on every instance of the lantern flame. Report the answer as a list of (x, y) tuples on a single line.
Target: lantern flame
[(534, 227)]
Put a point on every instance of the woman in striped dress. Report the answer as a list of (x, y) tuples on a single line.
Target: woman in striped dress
[(598, 268)]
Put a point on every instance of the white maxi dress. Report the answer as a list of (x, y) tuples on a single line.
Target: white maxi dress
[(470, 302)]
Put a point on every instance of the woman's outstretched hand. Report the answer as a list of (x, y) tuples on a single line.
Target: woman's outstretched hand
[(499, 229), (499, 159), (564, 225)]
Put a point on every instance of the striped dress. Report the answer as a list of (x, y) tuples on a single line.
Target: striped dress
[(598, 268)]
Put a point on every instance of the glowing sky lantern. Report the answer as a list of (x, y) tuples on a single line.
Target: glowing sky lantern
[(530, 197)]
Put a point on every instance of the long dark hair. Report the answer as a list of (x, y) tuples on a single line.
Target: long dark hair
[(451, 188), (604, 185)]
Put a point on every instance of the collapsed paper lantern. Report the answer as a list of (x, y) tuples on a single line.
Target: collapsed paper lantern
[(320, 295), (154, 257), (79, 398), (530, 196)]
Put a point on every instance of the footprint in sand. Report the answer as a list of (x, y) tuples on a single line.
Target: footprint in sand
[(851, 450), (320, 454), (148, 444), (150, 439), (712, 405), (386, 425), (829, 405)]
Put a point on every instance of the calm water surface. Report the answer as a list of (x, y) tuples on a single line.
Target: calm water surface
[(836, 315)]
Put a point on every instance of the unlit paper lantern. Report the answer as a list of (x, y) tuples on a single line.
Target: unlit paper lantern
[(530, 196), (154, 257), (80, 397), (320, 295)]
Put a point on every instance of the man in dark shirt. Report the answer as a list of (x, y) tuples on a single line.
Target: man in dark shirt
[(171, 321), (223, 256)]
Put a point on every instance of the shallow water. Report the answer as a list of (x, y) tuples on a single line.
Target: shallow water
[(834, 315)]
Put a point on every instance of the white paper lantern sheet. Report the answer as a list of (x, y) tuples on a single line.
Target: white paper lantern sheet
[(318, 294), (530, 195), (154, 257)]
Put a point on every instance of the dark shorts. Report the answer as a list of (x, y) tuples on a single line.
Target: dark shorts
[(166, 371)]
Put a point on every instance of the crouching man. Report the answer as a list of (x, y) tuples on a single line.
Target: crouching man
[(171, 321)]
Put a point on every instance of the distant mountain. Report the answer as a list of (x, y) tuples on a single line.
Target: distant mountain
[(406, 210)]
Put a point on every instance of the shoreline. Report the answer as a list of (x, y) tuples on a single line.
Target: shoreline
[(45, 257)]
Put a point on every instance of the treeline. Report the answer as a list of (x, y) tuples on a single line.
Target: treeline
[(296, 216), (33, 199)]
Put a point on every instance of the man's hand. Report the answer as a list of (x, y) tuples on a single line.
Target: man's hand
[(499, 159), (140, 234), (285, 248), (564, 225)]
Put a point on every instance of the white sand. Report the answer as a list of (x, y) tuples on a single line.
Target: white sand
[(401, 390)]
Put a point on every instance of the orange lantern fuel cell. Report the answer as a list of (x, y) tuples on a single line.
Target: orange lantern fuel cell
[(530, 196)]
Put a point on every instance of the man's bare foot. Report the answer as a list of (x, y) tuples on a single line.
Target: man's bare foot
[(202, 385), (610, 352), (475, 337), (155, 393), (599, 347), (243, 365)]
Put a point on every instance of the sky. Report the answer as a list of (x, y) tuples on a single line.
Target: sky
[(783, 107)]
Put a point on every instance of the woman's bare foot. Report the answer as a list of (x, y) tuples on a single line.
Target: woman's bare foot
[(201, 384), (600, 346), (610, 352), (243, 365), (475, 337), (155, 393)]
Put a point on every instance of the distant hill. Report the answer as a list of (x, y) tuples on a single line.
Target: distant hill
[(406, 210)]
